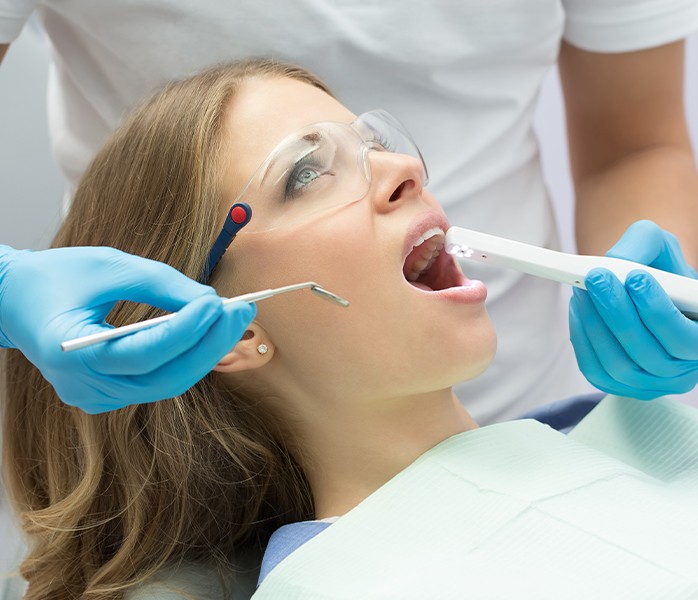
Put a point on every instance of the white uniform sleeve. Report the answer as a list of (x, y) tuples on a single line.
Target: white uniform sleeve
[(627, 25), (13, 16)]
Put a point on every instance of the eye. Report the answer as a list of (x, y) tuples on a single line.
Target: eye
[(305, 176), (301, 177)]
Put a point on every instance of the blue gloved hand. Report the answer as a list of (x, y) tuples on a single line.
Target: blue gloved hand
[(54, 295), (630, 339)]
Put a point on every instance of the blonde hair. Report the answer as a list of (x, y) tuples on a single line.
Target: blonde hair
[(109, 500)]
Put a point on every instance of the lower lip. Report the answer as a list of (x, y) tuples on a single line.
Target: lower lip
[(472, 291)]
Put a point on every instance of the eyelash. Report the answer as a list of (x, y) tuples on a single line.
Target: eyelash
[(380, 140), (307, 162)]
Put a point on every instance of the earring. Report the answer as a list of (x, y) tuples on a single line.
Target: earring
[(262, 349)]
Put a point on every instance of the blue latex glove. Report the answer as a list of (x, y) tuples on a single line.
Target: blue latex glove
[(630, 339), (54, 295)]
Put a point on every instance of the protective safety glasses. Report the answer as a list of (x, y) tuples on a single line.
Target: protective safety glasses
[(319, 167), (322, 166)]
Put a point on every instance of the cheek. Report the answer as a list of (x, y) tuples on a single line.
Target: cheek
[(296, 255), (316, 337), (323, 261)]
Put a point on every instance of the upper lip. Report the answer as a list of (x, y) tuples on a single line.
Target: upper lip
[(421, 224)]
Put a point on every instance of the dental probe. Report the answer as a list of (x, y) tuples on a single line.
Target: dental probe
[(563, 267), (118, 332)]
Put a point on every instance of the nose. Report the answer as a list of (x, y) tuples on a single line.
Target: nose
[(395, 178)]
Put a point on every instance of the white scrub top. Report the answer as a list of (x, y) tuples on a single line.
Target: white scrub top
[(462, 75)]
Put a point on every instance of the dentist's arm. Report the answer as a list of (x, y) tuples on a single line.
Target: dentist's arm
[(630, 152), (53, 295), (631, 160)]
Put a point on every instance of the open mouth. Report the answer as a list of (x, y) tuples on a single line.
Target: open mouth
[(428, 267)]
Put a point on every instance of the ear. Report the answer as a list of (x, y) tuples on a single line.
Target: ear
[(254, 350)]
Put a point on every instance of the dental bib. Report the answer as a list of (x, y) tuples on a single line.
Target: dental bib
[(518, 510)]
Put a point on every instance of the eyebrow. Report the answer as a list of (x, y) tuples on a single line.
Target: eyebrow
[(312, 137)]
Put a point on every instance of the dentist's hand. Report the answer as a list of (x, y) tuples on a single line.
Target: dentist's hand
[(54, 295), (630, 339)]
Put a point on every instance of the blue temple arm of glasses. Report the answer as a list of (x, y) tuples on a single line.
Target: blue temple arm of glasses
[(238, 216)]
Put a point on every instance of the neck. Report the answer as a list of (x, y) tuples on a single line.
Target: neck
[(354, 453)]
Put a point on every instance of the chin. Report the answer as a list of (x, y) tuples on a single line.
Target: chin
[(474, 364)]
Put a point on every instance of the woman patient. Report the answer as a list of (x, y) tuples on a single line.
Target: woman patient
[(316, 408)]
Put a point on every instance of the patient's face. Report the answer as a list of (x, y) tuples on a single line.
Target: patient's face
[(396, 338)]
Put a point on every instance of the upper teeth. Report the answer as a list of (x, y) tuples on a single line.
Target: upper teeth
[(429, 234), (430, 252)]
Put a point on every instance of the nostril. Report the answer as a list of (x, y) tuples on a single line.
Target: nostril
[(398, 190)]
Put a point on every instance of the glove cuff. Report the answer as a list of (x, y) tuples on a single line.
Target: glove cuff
[(6, 255)]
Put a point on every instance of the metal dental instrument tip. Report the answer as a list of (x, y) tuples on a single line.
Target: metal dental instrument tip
[(117, 332), (329, 296)]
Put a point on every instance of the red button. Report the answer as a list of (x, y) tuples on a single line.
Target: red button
[(238, 214)]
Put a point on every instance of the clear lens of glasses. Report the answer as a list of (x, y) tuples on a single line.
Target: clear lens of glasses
[(321, 166)]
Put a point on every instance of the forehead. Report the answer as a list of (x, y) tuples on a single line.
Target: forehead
[(263, 112)]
